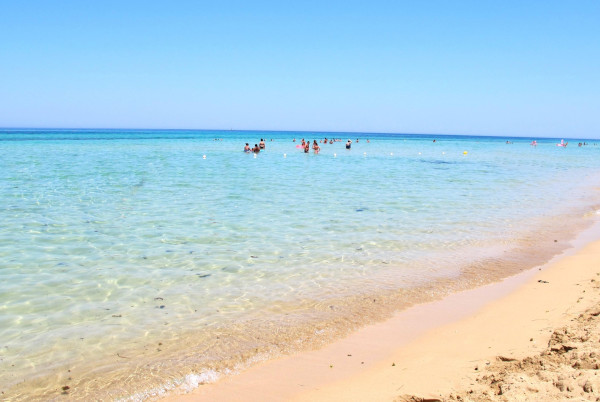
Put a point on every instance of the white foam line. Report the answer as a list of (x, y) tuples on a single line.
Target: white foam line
[(187, 384)]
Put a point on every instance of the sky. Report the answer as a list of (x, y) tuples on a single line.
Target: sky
[(518, 68)]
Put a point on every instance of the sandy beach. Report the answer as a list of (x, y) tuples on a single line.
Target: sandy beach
[(274, 201), (533, 336)]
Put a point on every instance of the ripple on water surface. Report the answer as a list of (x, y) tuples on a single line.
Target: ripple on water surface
[(128, 254)]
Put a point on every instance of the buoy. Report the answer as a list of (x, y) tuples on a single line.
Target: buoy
[(285, 155), (254, 156), (443, 153), (391, 154), (364, 153), (419, 153), (203, 156), (334, 155), (465, 152)]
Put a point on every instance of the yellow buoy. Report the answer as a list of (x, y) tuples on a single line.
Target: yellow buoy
[(465, 152)]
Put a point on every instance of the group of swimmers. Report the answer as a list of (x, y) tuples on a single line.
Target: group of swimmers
[(305, 145), (257, 147)]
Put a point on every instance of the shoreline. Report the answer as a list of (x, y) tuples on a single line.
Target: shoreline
[(430, 350), (198, 291)]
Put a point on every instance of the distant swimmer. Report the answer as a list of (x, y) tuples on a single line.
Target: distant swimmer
[(316, 147), (348, 144), (262, 144), (533, 143), (256, 149), (306, 147), (247, 148)]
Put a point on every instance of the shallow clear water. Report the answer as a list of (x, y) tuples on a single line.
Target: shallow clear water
[(112, 240)]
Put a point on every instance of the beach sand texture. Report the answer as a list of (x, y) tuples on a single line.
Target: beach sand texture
[(536, 337)]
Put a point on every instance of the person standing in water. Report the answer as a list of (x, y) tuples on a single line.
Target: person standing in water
[(316, 147), (247, 148), (348, 144), (256, 149), (261, 144)]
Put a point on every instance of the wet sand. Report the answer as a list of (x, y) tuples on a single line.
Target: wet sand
[(532, 336)]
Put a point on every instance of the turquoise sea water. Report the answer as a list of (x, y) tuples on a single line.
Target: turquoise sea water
[(137, 261)]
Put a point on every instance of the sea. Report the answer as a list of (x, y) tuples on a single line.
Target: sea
[(139, 263)]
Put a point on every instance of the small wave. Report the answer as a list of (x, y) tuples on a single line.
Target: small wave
[(188, 384), (193, 381)]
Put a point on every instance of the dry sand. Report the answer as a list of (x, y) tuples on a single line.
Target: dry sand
[(534, 336)]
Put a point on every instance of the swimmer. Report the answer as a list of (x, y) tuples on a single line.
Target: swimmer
[(247, 148), (306, 147), (262, 144), (256, 149), (348, 144), (316, 147)]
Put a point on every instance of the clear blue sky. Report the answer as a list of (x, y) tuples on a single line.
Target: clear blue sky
[(528, 68)]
